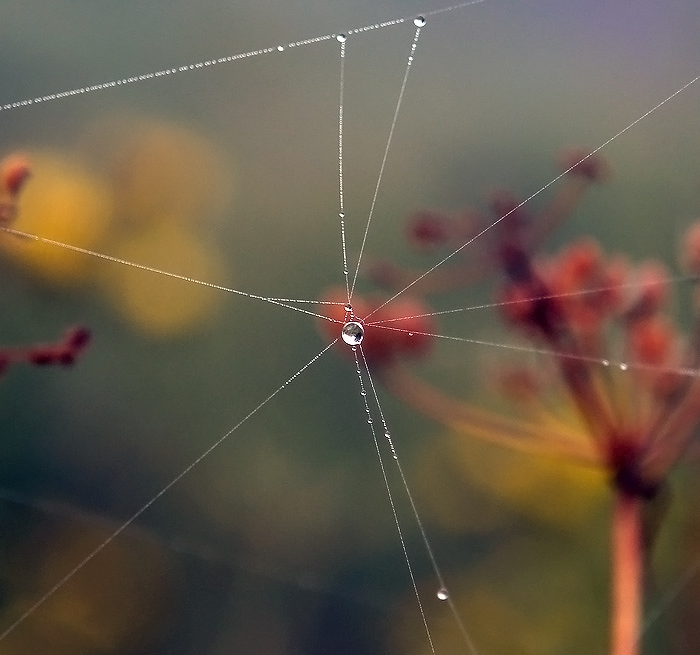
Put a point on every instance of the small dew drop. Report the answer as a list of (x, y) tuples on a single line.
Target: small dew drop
[(370, 421), (280, 48), (387, 434), (395, 456), (353, 333), (442, 594), (363, 393), (341, 215), (419, 21), (605, 362), (341, 38), (623, 366), (410, 334), (348, 307)]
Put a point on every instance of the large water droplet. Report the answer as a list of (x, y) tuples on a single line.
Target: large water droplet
[(623, 366), (419, 21), (348, 307), (605, 362), (341, 38), (353, 333), (442, 594), (280, 48)]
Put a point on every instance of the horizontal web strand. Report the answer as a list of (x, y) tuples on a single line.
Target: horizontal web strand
[(569, 294), (622, 365)]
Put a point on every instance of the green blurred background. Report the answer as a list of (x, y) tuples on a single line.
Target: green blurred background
[(281, 541)]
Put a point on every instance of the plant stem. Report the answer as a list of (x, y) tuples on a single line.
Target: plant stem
[(627, 573)]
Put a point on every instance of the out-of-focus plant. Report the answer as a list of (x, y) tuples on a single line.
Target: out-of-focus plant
[(14, 172), (127, 600), (123, 604), (137, 190), (616, 390)]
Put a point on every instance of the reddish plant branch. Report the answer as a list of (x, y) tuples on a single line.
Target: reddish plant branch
[(627, 573), (61, 353)]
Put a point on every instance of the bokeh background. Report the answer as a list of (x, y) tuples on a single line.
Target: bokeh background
[(281, 541)]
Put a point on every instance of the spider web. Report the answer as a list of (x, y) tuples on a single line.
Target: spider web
[(486, 101)]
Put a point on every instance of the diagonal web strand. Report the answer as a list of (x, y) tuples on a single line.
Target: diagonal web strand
[(670, 596), (155, 498), (460, 5), (443, 592), (386, 153), (390, 496), (208, 63), (282, 302), (553, 181)]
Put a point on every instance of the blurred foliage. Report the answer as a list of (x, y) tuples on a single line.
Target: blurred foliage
[(119, 604), (308, 560), (136, 189)]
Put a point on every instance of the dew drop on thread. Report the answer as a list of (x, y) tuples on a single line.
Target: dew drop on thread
[(419, 21), (442, 594), (352, 333), (341, 38)]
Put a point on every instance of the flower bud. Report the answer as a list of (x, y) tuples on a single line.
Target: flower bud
[(580, 163), (14, 171)]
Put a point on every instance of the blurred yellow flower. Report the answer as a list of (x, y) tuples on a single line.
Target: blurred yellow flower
[(510, 603), (65, 202), (157, 305), (159, 183), (119, 605), (160, 168), (528, 484)]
